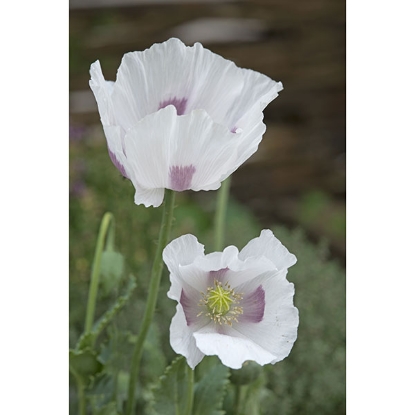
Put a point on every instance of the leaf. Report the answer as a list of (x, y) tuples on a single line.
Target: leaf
[(115, 309), (116, 352), (112, 267), (170, 392), (210, 391), (101, 392), (87, 340), (84, 363), (154, 360)]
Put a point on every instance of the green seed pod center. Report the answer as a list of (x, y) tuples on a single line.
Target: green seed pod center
[(220, 303), (219, 300)]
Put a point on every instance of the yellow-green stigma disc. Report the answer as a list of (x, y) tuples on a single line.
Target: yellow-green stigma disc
[(219, 300), (221, 303)]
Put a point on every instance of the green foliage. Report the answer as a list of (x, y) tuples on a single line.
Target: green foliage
[(84, 364), (88, 339), (115, 309), (210, 390), (100, 392), (109, 409), (318, 211), (247, 374), (96, 371), (249, 399), (112, 268), (154, 361), (311, 380), (171, 391)]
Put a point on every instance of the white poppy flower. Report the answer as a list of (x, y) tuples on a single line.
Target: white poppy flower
[(236, 305), (180, 117)]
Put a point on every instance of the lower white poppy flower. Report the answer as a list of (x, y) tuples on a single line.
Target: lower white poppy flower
[(236, 305), (180, 117)]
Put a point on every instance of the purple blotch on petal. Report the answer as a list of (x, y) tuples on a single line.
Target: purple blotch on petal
[(117, 164), (187, 306), (217, 275), (180, 104), (234, 129), (181, 177), (253, 306)]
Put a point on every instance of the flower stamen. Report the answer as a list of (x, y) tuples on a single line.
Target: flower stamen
[(221, 303)]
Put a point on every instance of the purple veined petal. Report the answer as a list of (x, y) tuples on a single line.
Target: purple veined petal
[(148, 197), (190, 305), (277, 330), (253, 306), (173, 72), (180, 177), (102, 90), (232, 347), (188, 77), (115, 144), (238, 272), (188, 152), (269, 246), (179, 104), (257, 92), (182, 340), (194, 277), (182, 251), (217, 275), (117, 163), (219, 261), (249, 130), (187, 307)]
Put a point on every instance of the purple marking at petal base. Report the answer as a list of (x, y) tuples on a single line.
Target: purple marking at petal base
[(253, 306), (117, 164), (234, 129), (187, 306), (181, 177), (179, 103), (217, 275)]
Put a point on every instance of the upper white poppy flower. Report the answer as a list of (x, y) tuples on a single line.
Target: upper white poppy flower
[(180, 117), (236, 305)]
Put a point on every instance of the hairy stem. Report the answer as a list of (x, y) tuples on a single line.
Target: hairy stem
[(220, 215), (81, 392), (152, 296), (189, 398)]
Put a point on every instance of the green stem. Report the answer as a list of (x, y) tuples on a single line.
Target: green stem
[(237, 402), (81, 392), (220, 215), (107, 220), (109, 244), (152, 296), (189, 404), (81, 399), (117, 370)]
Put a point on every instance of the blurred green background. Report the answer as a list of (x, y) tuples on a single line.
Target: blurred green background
[(294, 184)]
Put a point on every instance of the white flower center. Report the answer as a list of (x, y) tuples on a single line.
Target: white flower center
[(220, 303)]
